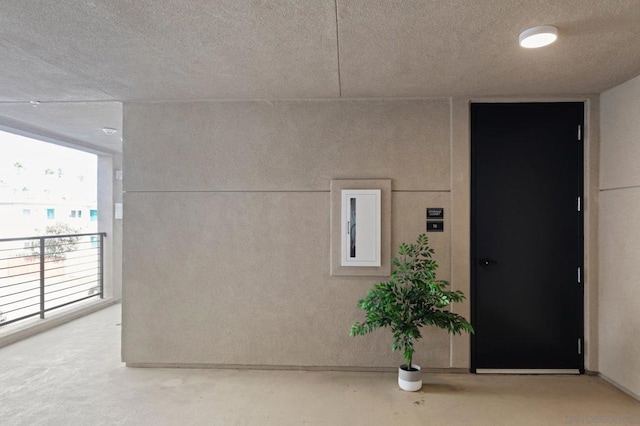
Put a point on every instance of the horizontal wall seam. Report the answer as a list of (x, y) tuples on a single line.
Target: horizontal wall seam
[(268, 191), (134, 101), (619, 187), (230, 191)]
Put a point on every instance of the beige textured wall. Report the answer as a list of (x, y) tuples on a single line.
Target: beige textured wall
[(227, 207), (285, 146), (109, 193), (460, 222), (619, 302)]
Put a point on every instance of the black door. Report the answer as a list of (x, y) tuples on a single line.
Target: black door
[(526, 236)]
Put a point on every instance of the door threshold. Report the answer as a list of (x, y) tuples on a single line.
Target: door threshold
[(527, 371)]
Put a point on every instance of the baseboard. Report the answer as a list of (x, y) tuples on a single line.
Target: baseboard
[(287, 367), (16, 332), (619, 386)]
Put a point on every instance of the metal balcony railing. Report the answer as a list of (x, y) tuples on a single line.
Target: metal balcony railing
[(40, 274)]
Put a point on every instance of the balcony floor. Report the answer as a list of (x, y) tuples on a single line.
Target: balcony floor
[(72, 375)]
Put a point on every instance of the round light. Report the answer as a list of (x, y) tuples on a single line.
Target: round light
[(538, 36), (109, 131)]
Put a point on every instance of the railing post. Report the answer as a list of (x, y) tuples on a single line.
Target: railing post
[(101, 266), (42, 245)]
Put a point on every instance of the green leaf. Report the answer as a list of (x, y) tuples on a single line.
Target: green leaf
[(412, 298)]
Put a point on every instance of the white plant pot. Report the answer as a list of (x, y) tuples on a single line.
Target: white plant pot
[(410, 380)]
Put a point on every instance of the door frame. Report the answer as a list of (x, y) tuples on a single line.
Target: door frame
[(585, 247)]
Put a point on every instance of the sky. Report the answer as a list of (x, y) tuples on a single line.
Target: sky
[(45, 171)]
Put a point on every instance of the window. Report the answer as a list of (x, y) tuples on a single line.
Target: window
[(76, 214), (51, 213), (93, 215), (26, 212)]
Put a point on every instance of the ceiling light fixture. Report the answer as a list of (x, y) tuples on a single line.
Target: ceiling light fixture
[(538, 36), (109, 131)]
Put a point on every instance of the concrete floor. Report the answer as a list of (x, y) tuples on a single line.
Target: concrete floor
[(72, 375)]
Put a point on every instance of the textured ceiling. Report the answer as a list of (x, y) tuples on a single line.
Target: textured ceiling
[(458, 47), (146, 50), (78, 123), (170, 49), (228, 49)]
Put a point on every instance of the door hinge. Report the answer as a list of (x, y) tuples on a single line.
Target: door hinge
[(579, 204), (579, 275), (579, 132), (579, 346)]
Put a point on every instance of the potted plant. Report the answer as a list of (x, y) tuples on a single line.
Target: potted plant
[(412, 298)]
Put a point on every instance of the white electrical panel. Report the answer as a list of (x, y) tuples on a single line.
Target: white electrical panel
[(118, 211), (361, 227)]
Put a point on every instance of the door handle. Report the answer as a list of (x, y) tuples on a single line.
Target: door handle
[(485, 261)]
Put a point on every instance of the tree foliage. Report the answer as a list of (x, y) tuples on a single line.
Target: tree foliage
[(412, 298), (57, 248)]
